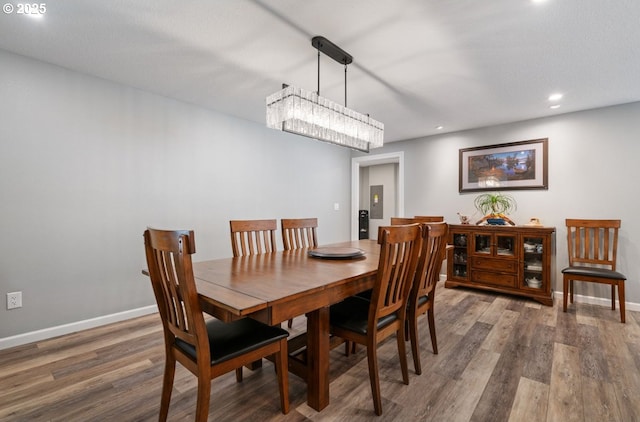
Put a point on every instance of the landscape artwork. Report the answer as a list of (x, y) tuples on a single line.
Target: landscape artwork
[(515, 165)]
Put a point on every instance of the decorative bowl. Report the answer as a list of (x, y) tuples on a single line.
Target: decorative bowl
[(495, 221), (534, 282)]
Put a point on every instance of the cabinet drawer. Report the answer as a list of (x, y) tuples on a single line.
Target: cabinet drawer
[(497, 279), (493, 264)]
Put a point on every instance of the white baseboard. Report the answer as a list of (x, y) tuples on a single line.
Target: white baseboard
[(600, 301), (46, 333)]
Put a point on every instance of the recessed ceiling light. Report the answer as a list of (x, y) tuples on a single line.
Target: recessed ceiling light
[(555, 97), (538, 1), (439, 127), (555, 106)]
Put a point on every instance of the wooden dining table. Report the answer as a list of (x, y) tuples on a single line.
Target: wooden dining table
[(275, 287)]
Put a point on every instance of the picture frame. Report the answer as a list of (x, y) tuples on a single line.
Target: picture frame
[(508, 166)]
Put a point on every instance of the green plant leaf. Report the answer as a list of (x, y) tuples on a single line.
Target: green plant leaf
[(495, 203)]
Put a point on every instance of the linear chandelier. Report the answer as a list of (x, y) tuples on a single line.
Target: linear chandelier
[(308, 114)]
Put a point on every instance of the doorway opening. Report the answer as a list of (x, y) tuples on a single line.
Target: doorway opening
[(357, 163)]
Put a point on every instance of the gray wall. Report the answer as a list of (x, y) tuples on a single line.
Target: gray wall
[(593, 162), (86, 165)]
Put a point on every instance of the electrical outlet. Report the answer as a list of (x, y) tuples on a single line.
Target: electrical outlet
[(14, 300)]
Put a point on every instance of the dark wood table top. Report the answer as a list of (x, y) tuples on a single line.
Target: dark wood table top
[(247, 284)]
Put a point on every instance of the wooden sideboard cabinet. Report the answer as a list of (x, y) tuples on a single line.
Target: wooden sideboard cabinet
[(518, 260)]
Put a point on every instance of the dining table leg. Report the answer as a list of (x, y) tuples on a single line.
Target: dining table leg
[(318, 358)]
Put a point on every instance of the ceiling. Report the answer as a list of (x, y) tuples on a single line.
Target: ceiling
[(418, 64)]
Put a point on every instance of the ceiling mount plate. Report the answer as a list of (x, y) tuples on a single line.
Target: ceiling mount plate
[(331, 50)]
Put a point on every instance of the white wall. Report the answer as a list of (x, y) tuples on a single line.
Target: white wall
[(86, 165), (593, 162)]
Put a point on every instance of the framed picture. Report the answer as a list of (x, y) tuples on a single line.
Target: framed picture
[(515, 165)]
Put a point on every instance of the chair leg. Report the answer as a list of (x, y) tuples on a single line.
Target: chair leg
[(372, 359), (402, 354), (290, 323), (571, 290), (432, 330), (565, 293), (239, 374), (415, 345), (204, 393), (167, 386), (622, 299), (350, 347), (613, 297), (283, 376)]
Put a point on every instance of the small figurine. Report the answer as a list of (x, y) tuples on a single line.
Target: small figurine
[(464, 219), (534, 221)]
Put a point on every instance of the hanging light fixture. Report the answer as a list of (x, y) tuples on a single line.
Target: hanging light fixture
[(307, 113)]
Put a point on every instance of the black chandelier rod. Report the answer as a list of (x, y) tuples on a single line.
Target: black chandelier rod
[(336, 53), (345, 85)]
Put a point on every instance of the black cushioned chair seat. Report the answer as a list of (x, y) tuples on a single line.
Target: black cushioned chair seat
[(422, 300), (230, 339), (594, 272), (353, 313)]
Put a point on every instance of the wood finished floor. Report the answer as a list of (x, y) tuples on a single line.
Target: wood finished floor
[(501, 359)]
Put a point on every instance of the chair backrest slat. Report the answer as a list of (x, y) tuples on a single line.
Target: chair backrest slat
[(432, 254), (170, 270), (253, 237), (299, 233), (400, 246), (593, 242)]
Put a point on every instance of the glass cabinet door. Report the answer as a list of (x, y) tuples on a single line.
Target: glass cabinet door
[(482, 243), (460, 255), (533, 250), (494, 244), (505, 245)]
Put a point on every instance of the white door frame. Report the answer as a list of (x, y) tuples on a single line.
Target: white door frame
[(372, 160)]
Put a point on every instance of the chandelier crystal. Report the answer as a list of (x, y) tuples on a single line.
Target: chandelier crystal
[(308, 114)]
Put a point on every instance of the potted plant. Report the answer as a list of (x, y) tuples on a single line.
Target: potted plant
[(495, 206)]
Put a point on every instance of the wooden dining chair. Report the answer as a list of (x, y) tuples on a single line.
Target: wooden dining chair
[(396, 221), (299, 233), (593, 248), (429, 218), (423, 292), (253, 237), (370, 322), (207, 349), (417, 219)]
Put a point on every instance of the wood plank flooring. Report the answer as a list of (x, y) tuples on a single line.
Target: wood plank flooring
[(501, 359)]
